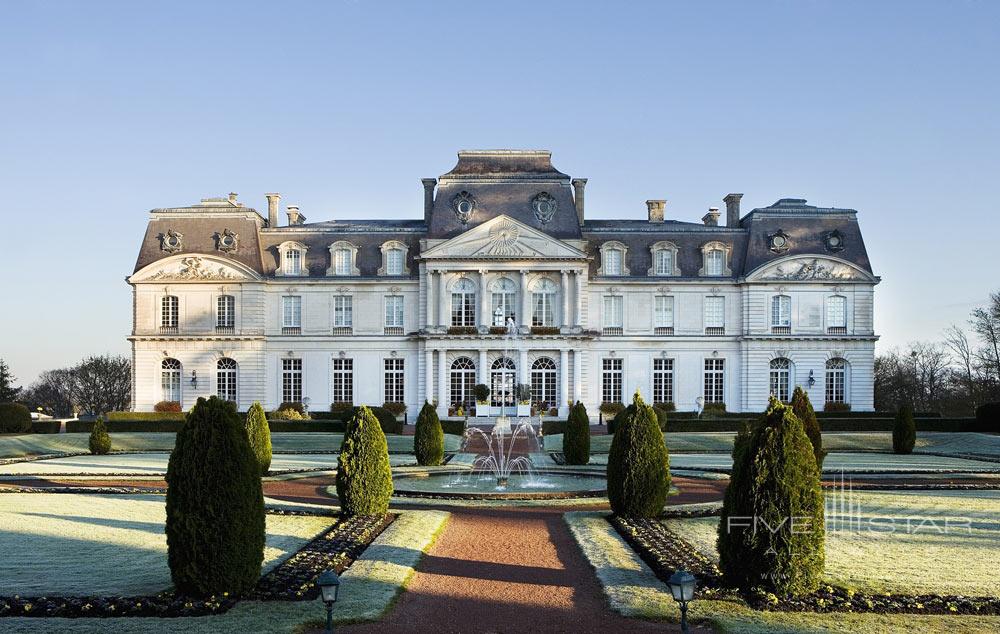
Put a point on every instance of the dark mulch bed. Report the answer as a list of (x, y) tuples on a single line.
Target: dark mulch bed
[(665, 552), (293, 580)]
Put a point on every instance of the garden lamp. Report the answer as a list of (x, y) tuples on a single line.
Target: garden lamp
[(682, 585), (329, 587)]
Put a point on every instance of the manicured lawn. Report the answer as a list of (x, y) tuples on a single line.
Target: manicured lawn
[(106, 544), (13, 446), (945, 542)]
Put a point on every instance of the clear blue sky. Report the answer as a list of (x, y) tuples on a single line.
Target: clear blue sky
[(108, 109)]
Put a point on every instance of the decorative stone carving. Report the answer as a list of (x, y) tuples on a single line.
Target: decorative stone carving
[(464, 204), (194, 268), (812, 269), (171, 241), (834, 241), (544, 206), (777, 241), (503, 239), (227, 241)]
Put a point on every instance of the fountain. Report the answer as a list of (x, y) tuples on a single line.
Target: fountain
[(500, 461)]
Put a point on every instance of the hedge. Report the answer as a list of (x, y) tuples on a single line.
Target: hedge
[(336, 426), (138, 416), (988, 417), (115, 426), (14, 418), (553, 427), (453, 427), (45, 426)]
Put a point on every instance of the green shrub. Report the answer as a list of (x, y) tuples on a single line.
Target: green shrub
[(344, 409), (638, 464), (152, 416), (395, 408), (667, 407), (428, 443), (771, 530), (215, 504), (386, 420), (14, 419), (364, 479), (337, 426), (259, 435), (116, 426), (576, 439), (165, 407), (554, 427), (100, 441), (453, 427), (904, 431), (988, 417), (803, 410), (831, 406), (288, 413), (45, 426), (296, 405), (661, 420), (610, 409), (481, 391), (713, 409)]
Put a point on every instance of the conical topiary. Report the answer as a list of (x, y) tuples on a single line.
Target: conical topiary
[(576, 439), (904, 431), (364, 478), (259, 435), (428, 441), (803, 410), (100, 441), (771, 530), (638, 464), (215, 505)]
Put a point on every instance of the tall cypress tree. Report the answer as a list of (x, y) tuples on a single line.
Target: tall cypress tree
[(638, 464), (364, 477), (259, 435), (428, 440), (576, 439), (803, 410)]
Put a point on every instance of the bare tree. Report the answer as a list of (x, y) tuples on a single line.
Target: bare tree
[(985, 323), (964, 359), (53, 392), (103, 383)]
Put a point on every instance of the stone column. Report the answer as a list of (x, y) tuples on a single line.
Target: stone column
[(525, 319), (429, 376), (522, 366), (564, 382), (579, 360), (485, 317), (484, 378), (429, 298), (442, 383), (564, 289), (578, 317), (444, 312)]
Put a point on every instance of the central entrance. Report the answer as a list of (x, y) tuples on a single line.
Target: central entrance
[(502, 399)]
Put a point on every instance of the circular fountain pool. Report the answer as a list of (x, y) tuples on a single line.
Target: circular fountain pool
[(483, 485)]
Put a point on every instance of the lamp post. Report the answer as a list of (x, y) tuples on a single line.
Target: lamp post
[(329, 587), (682, 585)]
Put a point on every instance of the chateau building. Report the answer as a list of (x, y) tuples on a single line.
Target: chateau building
[(729, 310)]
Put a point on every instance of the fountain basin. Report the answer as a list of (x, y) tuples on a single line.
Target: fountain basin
[(541, 485)]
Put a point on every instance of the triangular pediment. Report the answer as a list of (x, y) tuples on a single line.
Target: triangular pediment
[(194, 268), (503, 238)]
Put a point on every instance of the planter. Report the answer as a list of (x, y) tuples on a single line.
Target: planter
[(523, 410)]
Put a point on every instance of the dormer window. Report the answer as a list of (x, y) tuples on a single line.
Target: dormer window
[(715, 257), (343, 259), (394, 258), (613, 259), (291, 259), (664, 260)]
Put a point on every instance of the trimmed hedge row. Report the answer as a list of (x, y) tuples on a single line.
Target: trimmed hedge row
[(143, 416), (115, 426), (453, 427), (45, 426)]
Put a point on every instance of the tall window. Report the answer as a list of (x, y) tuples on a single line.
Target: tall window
[(463, 380), (613, 314), (780, 379), (463, 303), (291, 313), (225, 379), (293, 262), (613, 261), (611, 380), (169, 312), (502, 383), (503, 296), (781, 314), (663, 314), (291, 380), (343, 380), (170, 380), (663, 262), (836, 381), (541, 301), (543, 382), (715, 315), (393, 381), (342, 264), (715, 381), (715, 262), (393, 314), (836, 314), (225, 313), (663, 380), (394, 262), (343, 311)]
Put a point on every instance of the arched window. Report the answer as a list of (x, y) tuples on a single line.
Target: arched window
[(225, 379), (836, 381), (542, 299), (293, 262), (780, 375), (393, 258), (543, 383), (504, 295), (781, 314), (291, 259), (613, 259), (343, 259), (463, 380), (463, 303), (664, 259), (169, 313), (715, 256), (170, 380), (502, 383)]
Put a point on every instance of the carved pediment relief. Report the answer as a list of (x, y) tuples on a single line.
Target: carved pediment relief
[(810, 269), (192, 268), (503, 237)]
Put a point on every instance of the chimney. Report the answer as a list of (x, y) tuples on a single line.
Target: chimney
[(711, 219), (232, 199), (429, 184), (655, 208), (732, 209), (272, 209), (578, 185), (294, 217)]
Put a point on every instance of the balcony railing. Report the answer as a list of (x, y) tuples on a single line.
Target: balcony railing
[(291, 330), (781, 330), (168, 330), (341, 331), (393, 330), (715, 331), (612, 330), (663, 330), (225, 330), (836, 330)]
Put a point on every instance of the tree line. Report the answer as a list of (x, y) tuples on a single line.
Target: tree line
[(95, 385)]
